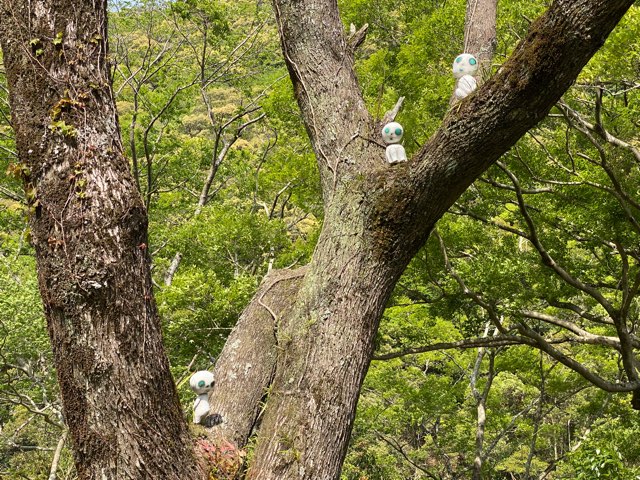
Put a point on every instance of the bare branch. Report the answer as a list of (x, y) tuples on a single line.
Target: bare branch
[(205, 194), (356, 38), (53, 471), (171, 271), (581, 311), (393, 444), (147, 130), (526, 191), (461, 210), (265, 153), (479, 342), (598, 128), (390, 116)]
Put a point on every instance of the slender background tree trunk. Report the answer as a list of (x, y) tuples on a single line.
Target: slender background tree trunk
[(89, 229), (480, 33)]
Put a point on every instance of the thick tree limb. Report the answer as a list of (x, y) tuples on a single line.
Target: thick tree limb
[(246, 366), (541, 68), (320, 64)]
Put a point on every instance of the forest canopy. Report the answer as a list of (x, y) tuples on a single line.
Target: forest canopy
[(502, 340)]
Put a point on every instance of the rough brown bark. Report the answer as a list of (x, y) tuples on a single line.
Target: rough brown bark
[(377, 216), (89, 229)]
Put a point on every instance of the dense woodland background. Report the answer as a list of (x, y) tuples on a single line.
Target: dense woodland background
[(231, 185)]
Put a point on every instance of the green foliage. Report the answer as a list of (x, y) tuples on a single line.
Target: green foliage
[(206, 11), (63, 128), (592, 463), (27, 380)]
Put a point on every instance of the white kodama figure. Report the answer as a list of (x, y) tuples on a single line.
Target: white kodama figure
[(465, 66), (392, 134), (202, 382)]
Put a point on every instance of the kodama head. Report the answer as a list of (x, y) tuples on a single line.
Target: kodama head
[(465, 64), (201, 381), (392, 132)]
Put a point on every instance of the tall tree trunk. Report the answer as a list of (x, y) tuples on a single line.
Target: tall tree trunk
[(89, 230), (326, 347), (377, 216)]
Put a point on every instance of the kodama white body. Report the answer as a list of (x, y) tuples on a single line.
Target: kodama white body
[(466, 84), (392, 134), (200, 407), (201, 382), (395, 153)]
